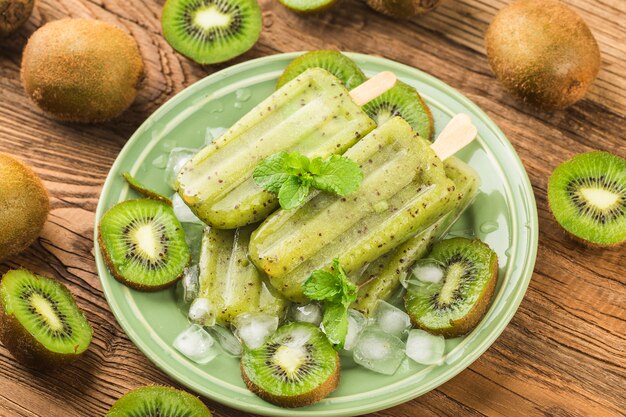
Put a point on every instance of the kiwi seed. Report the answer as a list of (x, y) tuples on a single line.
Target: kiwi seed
[(143, 244), (456, 304), (403, 9), (587, 196), (334, 62), (158, 401), (307, 6), (143, 190), (24, 206), (296, 367), (543, 52), (13, 14), (40, 323), (81, 70), (211, 31)]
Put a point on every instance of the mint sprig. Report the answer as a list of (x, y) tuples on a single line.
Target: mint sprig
[(337, 292), (292, 175)]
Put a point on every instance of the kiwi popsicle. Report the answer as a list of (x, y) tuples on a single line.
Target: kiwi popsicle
[(382, 277), (404, 191), (229, 281), (313, 114)]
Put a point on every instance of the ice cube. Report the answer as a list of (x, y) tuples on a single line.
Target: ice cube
[(213, 133), (356, 323), (253, 328), (391, 319), (201, 312), (190, 283), (196, 344), (182, 212), (428, 271), (424, 347), (227, 340), (178, 158), (378, 351), (309, 313)]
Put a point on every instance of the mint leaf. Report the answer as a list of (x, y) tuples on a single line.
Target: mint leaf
[(292, 193), (322, 285), (270, 173), (335, 322), (297, 163), (338, 175)]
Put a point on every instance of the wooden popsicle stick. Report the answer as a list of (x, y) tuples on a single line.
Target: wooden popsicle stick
[(457, 134), (373, 87)]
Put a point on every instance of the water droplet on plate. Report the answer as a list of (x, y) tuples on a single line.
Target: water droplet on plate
[(160, 161), (243, 94), (215, 107), (488, 227), (238, 105)]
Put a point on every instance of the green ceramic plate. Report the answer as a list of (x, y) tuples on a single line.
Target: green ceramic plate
[(504, 215)]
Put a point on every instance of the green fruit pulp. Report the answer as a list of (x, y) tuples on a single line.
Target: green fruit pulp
[(156, 401), (307, 6)]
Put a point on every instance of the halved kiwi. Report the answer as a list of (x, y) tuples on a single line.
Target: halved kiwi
[(297, 366), (143, 244), (587, 196), (457, 303), (404, 101), (143, 190), (158, 401), (307, 6), (334, 62), (211, 31), (40, 323)]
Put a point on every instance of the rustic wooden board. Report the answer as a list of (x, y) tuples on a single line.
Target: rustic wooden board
[(564, 352)]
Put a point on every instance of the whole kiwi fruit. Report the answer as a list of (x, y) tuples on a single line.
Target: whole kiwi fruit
[(543, 52), (81, 70), (24, 206), (13, 14), (403, 9)]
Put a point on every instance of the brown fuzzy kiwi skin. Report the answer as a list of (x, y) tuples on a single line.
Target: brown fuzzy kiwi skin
[(81, 70), (475, 315), (403, 9), (543, 53), (26, 349), (118, 276), (302, 400), (13, 14), (24, 206)]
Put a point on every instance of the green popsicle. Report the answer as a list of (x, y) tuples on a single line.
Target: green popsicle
[(230, 281), (312, 114), (382, 277), (404, 191)]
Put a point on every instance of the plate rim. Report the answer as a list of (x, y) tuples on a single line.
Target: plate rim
[(525, 275)]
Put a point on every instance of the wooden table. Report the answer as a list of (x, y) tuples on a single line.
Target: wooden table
[(563, 354)]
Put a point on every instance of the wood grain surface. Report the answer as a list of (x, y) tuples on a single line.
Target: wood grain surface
[(563, 354)]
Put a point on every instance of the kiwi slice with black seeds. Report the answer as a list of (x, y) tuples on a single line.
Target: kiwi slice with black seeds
[(307, 6), (334, 62), (297, 366), (456, 304), (211, 31), (587, 196), (40, 323), (404, 101), (158, 401), (143, 244), (144, 190)]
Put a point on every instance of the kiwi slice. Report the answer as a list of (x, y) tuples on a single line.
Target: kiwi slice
[(404, 101), (587, 196), (40, 323), (334, 62), (307, 6), (211, 31), (143, 244), (454, 305), (143, 190), (158, 401), (297, 366), (24, 206)]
